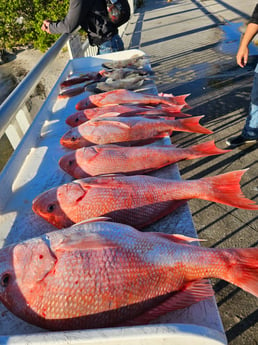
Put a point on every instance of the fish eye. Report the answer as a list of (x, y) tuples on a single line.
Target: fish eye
[(73, 138), (70, 163), (5, 279), (76, 120), (51, 208)]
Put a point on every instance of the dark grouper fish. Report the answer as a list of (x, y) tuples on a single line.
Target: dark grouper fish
[(135, 200), (95, 275)]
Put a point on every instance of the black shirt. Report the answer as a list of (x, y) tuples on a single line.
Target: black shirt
[(254, 18), (92, 16)]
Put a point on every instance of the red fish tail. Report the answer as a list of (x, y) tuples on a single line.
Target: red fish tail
[(242, 269), (174, 109), (205, 149), (180, 100), (225, 189), (191, 124)]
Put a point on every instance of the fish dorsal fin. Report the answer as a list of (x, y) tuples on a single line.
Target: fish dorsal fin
[(178, 238), (83, 241)]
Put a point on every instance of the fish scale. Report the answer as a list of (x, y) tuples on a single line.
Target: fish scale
[(101, 272)]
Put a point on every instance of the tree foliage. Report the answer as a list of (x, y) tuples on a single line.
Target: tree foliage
[(21, 20)]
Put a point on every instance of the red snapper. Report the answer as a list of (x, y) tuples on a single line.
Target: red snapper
[(96, 274)]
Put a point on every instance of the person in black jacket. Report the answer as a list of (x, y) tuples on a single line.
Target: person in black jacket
[(249, 133), (92, 16)]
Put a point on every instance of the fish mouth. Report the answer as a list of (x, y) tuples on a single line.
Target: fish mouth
[(68, 164), (84, 104), (74, 142), (75, 121), (62, 163), (71, 121)]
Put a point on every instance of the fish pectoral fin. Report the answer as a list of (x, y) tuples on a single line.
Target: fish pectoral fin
[(178, 238), (114, 123), (83, 241), (92, 220), (110, 114), (97, 149), (191, 293)]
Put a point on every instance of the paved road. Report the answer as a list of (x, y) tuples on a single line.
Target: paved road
[(192, 46)]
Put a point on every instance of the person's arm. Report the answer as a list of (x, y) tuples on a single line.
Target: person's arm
[(242, 54), (69, 23), (251, 31)]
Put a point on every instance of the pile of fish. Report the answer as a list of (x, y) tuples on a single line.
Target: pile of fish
[(94, 271), (129, 74)]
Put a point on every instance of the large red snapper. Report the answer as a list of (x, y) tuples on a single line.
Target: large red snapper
[(135, 200), (95, 275), (82, 116), (113, 159), (127, 130), (123, 96)]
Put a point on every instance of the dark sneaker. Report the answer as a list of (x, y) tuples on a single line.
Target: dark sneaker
[(240, 140)]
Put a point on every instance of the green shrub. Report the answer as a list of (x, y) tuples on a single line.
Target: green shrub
[(21, 21)]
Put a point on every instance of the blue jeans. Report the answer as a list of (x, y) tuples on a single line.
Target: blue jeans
[(114, 45), (250, 130)]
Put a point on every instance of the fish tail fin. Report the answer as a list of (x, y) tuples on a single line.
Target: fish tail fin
[(191, 124), (225, 189), (176, 99), (181, 99), (243, 272), (174, 110), (205, 149)]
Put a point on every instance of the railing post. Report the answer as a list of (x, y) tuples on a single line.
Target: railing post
[(16, 99)]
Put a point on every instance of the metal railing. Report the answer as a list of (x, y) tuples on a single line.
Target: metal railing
[(15, 101)]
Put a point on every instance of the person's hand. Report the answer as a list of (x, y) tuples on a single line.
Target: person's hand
[(45, 26), (242, 56)]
